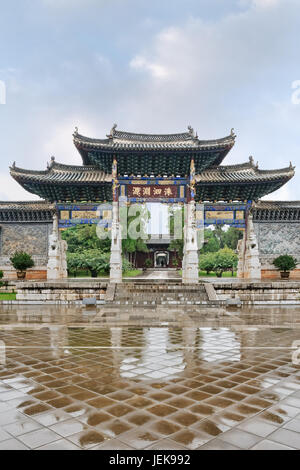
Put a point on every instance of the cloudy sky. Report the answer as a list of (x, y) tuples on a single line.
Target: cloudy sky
[(150, 66)]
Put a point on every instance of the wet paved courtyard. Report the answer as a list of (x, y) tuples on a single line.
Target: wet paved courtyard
[(148, 379)]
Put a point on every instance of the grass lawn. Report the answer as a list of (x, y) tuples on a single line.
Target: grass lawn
[(212, 274), (7, 296), (132, 273)]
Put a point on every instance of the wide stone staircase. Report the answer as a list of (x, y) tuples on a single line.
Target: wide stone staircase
[(160, 293)]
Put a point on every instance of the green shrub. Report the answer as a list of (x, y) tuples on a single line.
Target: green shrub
[(285, 263), (148, 263), (93, 261), (21, 260), (207, 262), (219, 262), (90, 260), (1, 274), (126, 265)]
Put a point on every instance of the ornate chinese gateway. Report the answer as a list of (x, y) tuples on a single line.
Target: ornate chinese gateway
[(164, 168)]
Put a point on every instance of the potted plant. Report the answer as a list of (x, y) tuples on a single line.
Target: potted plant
[(21, 261), (285, 263)]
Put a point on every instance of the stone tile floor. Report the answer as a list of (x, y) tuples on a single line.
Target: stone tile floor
[(75, 379)]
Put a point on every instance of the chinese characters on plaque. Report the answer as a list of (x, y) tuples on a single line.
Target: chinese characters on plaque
[(152, 191)]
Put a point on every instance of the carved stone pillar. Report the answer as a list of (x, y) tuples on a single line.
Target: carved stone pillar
[(241, 257), (116, 246), (190, 269), (57, 258), (249, 265), (116, 239)]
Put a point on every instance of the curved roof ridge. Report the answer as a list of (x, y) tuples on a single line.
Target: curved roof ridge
[(125, 135), (288, 169), (134, 138), (244, 172), (56, 166), (234, 166), (79, 137), (16, 169), (65, 166), (60, 173), (250, 166)]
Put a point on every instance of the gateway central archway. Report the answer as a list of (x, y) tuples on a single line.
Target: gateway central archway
[(161, 259)]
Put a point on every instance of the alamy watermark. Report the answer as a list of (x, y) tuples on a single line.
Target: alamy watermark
[(2, 92), (134, 219)]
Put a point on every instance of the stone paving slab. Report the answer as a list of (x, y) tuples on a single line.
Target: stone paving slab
[(68, 382)]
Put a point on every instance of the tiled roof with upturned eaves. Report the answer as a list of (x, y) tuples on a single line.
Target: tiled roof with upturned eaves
[(245, 172), (122, 140), (59, 173)]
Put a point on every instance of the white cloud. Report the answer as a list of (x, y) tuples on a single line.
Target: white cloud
[(156, 70), (234, 69), (222, 74)]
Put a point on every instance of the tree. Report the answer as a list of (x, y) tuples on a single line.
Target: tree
[(176, 214), (219, 234), (207, 262), (131, 245), (231, 237), (211, 243), (225, 260), (84, 237), (219, 238), (176, 246)]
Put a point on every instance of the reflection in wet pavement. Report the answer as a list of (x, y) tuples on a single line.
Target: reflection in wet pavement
[(149, 379)]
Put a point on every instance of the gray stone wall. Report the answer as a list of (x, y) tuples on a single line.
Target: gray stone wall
[(29, 237), (277, 238)]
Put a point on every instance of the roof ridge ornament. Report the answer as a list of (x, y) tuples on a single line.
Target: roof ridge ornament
[(232, 133), (191, 131), (112, 131), (251, 160), (76, 131), (50, 165)]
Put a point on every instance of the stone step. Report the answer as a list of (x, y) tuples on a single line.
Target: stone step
[(148, 293)]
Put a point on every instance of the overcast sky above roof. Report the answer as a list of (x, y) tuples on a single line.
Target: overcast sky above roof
[(150, 66)]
